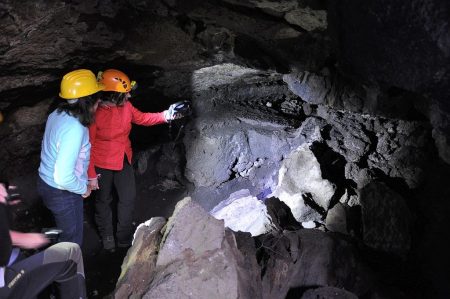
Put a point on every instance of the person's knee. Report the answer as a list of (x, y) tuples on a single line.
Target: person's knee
[(65, 251)]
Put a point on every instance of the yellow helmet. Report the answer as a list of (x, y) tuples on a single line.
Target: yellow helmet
[(79, 83)]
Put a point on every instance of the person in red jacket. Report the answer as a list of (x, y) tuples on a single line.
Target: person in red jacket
[(111, 156)]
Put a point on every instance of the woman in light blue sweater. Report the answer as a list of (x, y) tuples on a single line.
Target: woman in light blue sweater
[(65, 152)]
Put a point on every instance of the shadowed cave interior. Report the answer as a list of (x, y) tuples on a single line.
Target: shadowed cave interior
[(319, 128)]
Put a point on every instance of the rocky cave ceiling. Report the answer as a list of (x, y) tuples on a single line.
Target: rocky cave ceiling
[(357, 92)]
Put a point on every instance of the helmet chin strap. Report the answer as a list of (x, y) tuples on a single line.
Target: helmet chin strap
[(72, 101)]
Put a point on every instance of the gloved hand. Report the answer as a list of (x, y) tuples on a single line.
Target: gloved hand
[(176, 111), (169, 114)]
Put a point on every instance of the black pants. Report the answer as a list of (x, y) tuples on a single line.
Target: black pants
[(123, 181), (61, 264)]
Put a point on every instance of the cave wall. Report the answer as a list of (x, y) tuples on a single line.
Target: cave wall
[(370, 56), (399, 46), (363, 86)]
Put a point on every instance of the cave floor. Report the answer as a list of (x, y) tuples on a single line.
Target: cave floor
[(103, 268)]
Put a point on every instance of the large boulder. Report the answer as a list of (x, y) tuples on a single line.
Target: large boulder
[(199, 258), (238, 136), (300, 177)]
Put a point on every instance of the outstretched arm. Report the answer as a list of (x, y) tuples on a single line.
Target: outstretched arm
[(146, 119)]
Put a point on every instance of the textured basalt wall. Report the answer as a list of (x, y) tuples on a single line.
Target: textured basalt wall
[(365, 85)]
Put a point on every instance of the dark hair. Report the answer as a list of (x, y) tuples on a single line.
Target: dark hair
[(118, 98), (81, 109)]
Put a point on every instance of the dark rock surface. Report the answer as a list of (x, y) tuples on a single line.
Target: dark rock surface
[(199, 258), (139, 264), (386, 219), (329, 293), (310, 258), (406, 45), (398, 45), (363, 86)]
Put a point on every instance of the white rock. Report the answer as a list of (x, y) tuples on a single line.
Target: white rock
[(309, 224), (300, 174), (244, 212)]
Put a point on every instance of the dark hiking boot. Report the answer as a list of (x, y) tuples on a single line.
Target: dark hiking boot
[(109, 244)]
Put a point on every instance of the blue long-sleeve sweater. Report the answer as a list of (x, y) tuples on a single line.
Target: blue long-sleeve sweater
[(65, 153)]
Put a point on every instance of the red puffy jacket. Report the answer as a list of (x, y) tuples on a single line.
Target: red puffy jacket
[(109, 135)]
